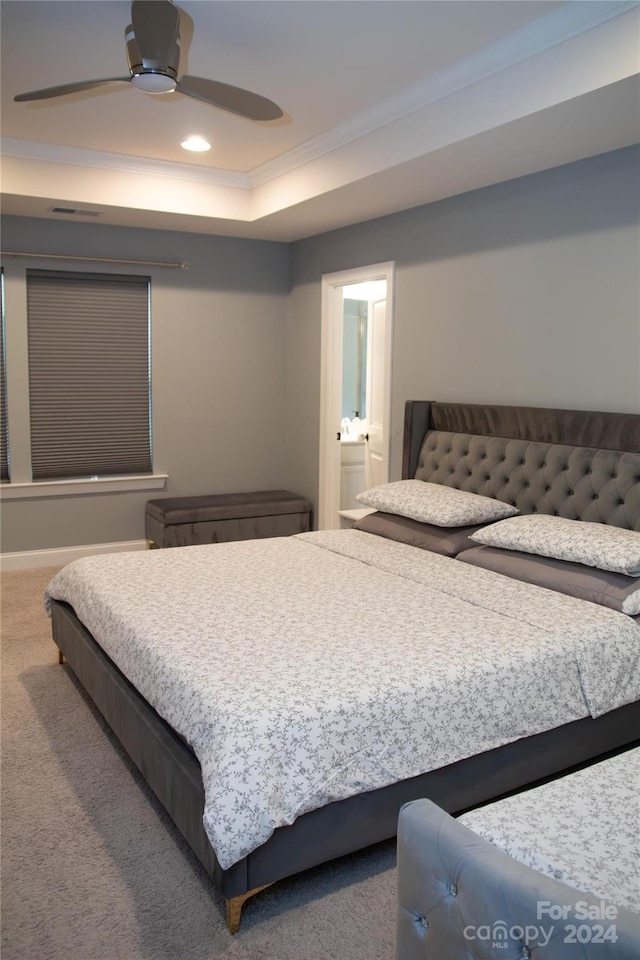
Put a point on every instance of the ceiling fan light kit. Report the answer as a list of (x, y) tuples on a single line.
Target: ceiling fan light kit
[(153, 52), (151, 82)]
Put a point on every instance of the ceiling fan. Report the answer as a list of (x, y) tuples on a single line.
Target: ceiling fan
[(153, 53)]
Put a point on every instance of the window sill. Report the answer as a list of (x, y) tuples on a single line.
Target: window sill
[(79, 488)]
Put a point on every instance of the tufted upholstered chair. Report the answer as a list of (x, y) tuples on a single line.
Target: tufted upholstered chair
[(461, 898)]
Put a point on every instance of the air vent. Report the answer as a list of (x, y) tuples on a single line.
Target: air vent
[(74, 212)]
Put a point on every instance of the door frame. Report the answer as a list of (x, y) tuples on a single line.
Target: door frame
[(331, 380)]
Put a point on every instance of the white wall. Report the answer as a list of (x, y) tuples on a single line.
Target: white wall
[(218, 385), (526, 292)]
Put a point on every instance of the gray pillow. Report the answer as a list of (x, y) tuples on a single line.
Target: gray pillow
[(448, 541), (609, 589)]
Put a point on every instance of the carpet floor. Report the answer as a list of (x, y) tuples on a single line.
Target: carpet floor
[(92, 867)]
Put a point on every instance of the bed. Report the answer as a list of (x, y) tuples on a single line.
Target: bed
[(196, 620), (551, 872)]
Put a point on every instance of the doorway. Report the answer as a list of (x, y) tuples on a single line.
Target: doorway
[(355, 390)]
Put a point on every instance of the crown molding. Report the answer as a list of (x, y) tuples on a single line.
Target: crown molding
[(568, 21), (123, 163)]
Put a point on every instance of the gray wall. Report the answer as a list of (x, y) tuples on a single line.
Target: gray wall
[(524, 292), (218, 363)]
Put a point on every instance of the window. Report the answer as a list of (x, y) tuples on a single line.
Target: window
[(4, 443), (89, 374)]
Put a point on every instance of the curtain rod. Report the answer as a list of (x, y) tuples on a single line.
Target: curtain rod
[(181, 264)]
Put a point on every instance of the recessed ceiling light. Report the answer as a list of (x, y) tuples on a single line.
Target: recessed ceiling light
[(196, 144)]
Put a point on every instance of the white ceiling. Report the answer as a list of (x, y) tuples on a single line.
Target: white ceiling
[(387, 105)]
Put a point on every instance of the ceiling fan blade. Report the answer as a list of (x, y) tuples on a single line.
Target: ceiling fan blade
[(47, 93), (233, 99), (156, 25)]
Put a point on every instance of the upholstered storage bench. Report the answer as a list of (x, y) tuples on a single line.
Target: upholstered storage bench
[(182, 521)]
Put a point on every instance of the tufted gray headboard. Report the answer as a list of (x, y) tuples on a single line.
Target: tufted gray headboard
[(576, 464)]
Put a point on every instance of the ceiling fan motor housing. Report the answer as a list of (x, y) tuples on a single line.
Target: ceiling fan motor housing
[(151, 75)]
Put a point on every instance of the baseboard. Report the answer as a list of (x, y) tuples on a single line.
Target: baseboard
[(59, 556)]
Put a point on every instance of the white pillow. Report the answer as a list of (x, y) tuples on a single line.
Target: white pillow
[(594, 544), (434, 503)]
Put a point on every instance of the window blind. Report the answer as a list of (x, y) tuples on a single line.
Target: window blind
[(4, 444), (89, 380)]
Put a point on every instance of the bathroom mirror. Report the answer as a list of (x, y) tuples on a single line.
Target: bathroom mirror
[(354, 358)]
